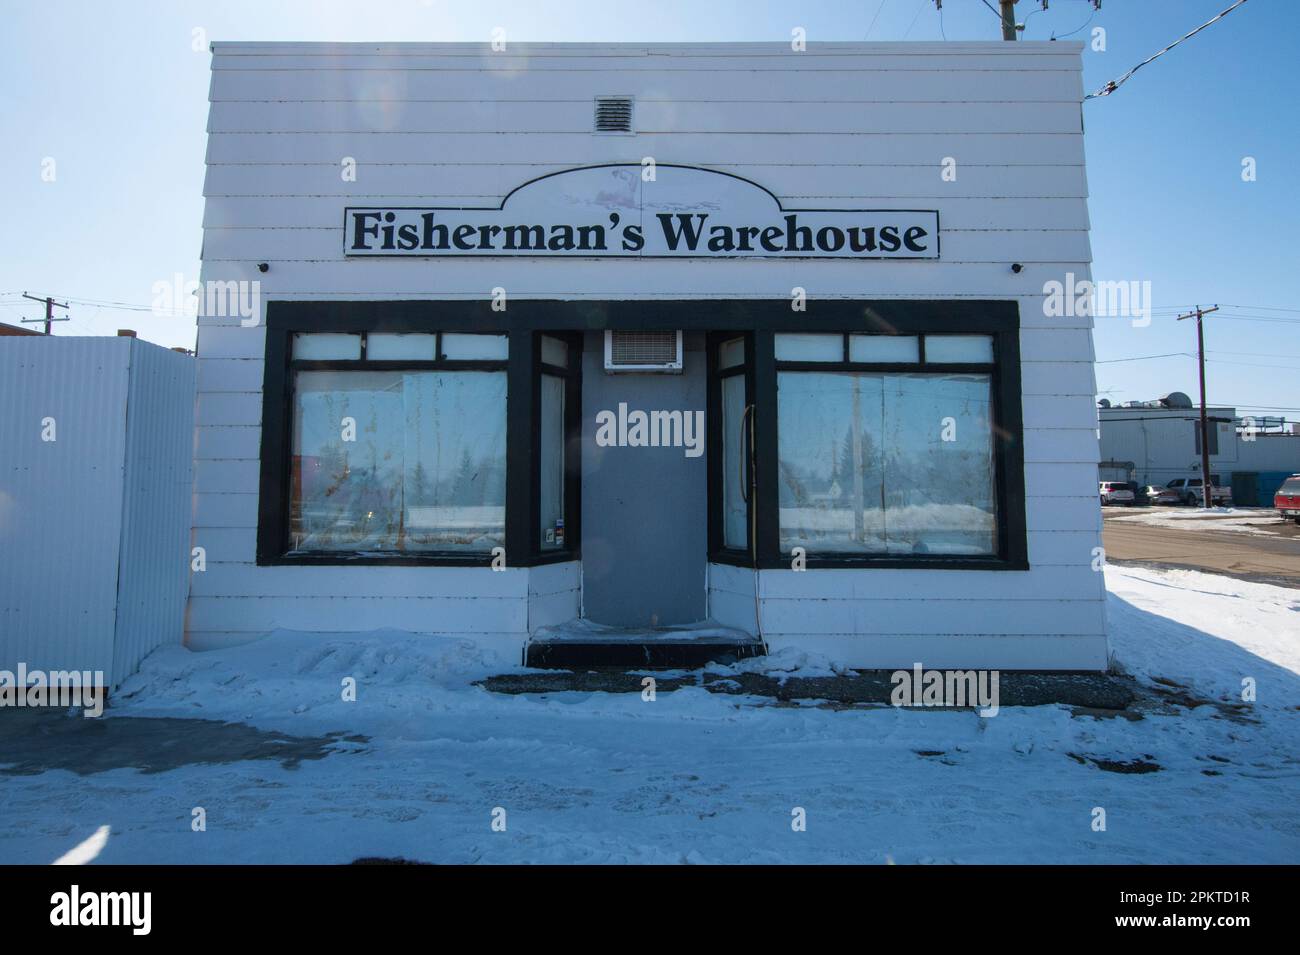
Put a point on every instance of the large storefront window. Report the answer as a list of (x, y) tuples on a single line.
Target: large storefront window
[(885, 445), (387, 439), (886, 463), (398, 461), (387, 459), (446, 433), (898, 447)]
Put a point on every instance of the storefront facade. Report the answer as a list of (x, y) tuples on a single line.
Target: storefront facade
[(651, 336)]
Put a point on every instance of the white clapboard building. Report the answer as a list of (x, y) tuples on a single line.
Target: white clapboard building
[(634, 353)]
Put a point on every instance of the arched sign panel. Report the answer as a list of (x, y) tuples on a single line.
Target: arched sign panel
[(625, 210)]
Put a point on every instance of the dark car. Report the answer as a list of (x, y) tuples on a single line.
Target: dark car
[(1151, 494)]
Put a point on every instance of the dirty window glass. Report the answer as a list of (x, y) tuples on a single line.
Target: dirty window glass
[(735, 511), (551, 443), (398, 461), (886, 463)]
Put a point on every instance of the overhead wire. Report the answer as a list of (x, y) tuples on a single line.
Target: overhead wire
[(1115, 84)]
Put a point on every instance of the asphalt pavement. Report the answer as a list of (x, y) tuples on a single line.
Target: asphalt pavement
[(1271, 556)]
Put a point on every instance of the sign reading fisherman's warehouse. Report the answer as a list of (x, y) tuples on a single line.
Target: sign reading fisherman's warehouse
[(621, 210)]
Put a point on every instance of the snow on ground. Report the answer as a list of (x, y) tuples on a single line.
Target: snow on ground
[(698, 777), (1244, 520)]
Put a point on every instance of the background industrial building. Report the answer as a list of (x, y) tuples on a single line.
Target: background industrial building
[(1156, 441)]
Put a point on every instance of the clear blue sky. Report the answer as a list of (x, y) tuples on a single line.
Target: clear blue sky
[(116, 95)]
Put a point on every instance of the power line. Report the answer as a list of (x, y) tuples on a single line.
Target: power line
[(1172, 354), (1115, 84), (1252, 354), (1091, 16), (1247, 364), (874, 19), (1253, 308), (118, 306), (919, 7), (1260, 318), (1262, 308)]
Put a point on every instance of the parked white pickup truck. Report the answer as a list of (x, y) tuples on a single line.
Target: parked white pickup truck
[(1190, 493)]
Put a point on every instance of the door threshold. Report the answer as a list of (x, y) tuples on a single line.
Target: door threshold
[(582, 644)]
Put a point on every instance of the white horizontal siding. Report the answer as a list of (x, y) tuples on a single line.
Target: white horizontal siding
[(226, 544), (1061, 445), (1062, 548), (250, 580), (1060, 411), (930, 616), (229, 341), (893, 585), (877, 186), (1056, 344), (220, 442), (657, 117), (732, 609), (1069, 378), (447, 125), (525, 151), (231, 374), (310, 212), (400, 84), (1040, 651), (323, 245), (1063, 514), (227, 476), (386, 278), (507, 648), (353, 613), (736, 580), (548, 610), (1051, 480), (556, 578), (223, 510), (229, 408)]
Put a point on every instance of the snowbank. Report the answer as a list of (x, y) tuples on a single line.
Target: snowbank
[(692, 776)]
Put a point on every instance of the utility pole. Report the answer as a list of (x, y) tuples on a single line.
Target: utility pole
[(49, 311), (1206, 495), (1008, 19)]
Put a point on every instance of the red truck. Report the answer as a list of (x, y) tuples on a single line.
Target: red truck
[(1287, 498)]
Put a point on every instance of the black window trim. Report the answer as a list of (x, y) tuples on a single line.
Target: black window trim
[(758, 319), (719, 551), (997, 560), (523, 368)]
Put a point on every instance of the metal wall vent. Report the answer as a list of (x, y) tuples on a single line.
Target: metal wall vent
[(643, 351), (613, 114)]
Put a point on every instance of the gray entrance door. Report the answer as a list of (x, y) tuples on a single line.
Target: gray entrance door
[(644, 526)]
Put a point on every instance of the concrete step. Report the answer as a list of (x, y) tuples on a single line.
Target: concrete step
[(581, 644)]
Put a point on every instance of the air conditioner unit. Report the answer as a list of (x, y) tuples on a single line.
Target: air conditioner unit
[(643, 352)]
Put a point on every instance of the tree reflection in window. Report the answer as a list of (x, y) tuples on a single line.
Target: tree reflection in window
[(398, 461)]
